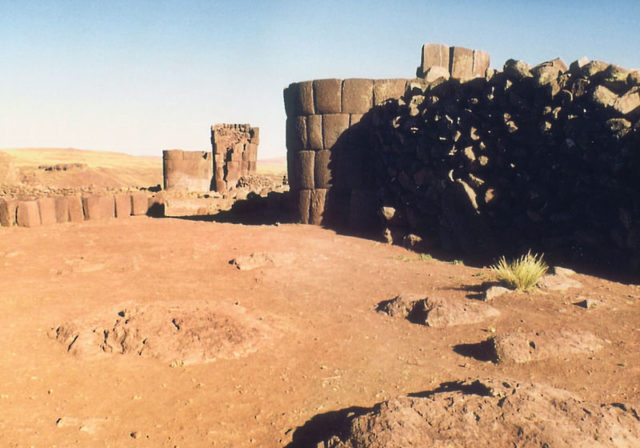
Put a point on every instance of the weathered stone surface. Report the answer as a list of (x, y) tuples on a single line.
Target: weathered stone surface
[(47, 207), (517, 70), (297, 133), (333, 126), (603, 97), (593, 68), (28, 214), (384, 89), (436, 75), (328, 96), (76, 211), (174, 207), (487, 412), (322, 172), (461, 63), (139, 203), (236, 143), (629, 103), (481, 61), (495, 291), (304, 205), (305, 98), (314, 132), (433, 55), (98, 207), (8, 209), (62, 209), (355, 118), (187, 170), (357, 96), (575, 68), (123, 205), (318, 198), (615, 78), (548, 71), (304, 163), (540, 345)]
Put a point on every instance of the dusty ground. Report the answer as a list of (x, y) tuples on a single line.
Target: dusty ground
[(321, 345), (140, 332)]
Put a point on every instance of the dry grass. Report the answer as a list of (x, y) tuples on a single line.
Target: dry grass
[(522, 273)]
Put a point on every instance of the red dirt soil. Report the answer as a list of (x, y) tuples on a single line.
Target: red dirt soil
[(322, 345)]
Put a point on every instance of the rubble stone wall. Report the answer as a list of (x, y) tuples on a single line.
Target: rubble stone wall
[(187, 170), (544, 157), (235, 153), (330, 168)]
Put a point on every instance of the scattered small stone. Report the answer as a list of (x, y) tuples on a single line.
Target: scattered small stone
[(134, 435), (589, 303), (494, 291)]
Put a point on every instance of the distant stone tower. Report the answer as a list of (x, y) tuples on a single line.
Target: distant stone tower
[(235, 153), (187, 170)]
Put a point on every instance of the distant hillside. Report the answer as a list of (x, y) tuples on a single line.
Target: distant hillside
[(68, 167)]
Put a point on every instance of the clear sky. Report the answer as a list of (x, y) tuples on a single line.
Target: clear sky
[(143, 76)]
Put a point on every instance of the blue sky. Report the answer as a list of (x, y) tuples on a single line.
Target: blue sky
[(143, 76)]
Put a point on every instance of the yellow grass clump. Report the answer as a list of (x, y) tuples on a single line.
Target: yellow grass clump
[(522, 273)]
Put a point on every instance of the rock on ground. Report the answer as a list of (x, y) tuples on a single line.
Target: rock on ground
[(492, 413)]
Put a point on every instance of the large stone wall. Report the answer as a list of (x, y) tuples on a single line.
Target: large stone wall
[(187, 170), (329, 171), (235, 153), (544, 157)]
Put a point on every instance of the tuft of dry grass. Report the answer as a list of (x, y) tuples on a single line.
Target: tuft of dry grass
[(522, 273)]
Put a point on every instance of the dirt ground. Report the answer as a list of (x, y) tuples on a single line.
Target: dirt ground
[(299, 336)]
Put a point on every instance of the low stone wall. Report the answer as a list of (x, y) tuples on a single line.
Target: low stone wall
[(75, 208), (544, 157), (187, 170), (235, 153)]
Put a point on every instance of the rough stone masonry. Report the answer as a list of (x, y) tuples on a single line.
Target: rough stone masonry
[(476, 161)]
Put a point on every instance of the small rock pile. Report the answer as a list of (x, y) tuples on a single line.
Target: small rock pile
[(543, 157)]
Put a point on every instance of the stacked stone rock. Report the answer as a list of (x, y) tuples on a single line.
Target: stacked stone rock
[(235, 153), (330, 164), (187, 170), (52, 210), (545, 157)]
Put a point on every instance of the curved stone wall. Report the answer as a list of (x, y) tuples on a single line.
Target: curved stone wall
[(544, 157)]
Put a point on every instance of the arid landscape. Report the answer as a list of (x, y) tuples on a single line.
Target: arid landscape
[(170, 332)]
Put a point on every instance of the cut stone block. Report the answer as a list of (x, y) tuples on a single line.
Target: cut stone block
[(357, 96), (318, 198), (434, 55), (76, 212), (481, 62), (333, 126), (123, 205), (304, 168), (139, 203), (304, 205), (47, 207), (98, 207), (327, 95), (314, 131), (8, 208), (629, 102), (384, 89), (305, 98), (355, 118), (28, 214), (461, 63), (322, 177), (292, 173), (289, 100), (62, 209)]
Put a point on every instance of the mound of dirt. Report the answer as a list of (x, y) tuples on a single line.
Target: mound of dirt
[(492, 413), (539, 345), (436, 311), (175, 333)]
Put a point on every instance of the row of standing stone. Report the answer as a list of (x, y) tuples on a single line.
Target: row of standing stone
[(49, 210)]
